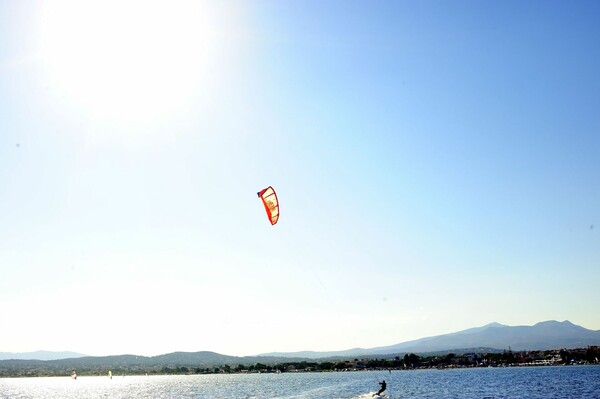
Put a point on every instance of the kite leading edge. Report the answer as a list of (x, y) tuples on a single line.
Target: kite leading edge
[(269, 200)]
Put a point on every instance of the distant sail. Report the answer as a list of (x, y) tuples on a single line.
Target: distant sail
[(110, 374), (271, 204)]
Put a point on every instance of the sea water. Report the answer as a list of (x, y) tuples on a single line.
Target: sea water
[(481, 383)]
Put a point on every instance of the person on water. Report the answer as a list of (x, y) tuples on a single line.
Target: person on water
[(383, 386)]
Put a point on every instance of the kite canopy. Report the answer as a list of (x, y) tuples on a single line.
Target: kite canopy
[(269, 199)]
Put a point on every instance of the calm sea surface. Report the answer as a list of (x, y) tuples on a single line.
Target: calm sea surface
[(530, 382)]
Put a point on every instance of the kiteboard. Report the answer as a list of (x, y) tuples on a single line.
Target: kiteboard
[(371, 395)]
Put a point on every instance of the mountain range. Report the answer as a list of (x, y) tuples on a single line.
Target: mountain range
[(541, 336), (40, 355)]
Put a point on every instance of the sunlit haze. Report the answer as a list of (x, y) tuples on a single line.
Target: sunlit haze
[(436, 163)]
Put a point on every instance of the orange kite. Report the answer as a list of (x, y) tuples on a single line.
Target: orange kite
[(269, 199)]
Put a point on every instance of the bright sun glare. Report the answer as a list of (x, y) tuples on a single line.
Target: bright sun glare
[(124, 60)]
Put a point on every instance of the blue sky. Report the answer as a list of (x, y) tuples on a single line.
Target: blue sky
[(437, 166)]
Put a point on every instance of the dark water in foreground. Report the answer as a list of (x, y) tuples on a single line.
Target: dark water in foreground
[(530, 382)]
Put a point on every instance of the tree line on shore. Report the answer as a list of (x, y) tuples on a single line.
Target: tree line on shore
[(590, 355)]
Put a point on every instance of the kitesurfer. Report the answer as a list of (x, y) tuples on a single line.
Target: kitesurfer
[(383, 386)]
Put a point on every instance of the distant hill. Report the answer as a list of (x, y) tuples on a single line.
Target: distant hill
[(541, 336), (40, 355), (486, 339), (99, 365)]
